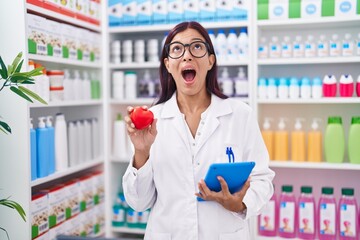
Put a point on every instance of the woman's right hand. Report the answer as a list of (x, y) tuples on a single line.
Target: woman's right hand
[(141, 139)]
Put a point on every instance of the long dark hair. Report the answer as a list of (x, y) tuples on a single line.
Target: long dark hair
[(167, 82)]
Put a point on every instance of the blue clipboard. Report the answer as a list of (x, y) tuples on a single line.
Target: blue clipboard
[(235, 175)]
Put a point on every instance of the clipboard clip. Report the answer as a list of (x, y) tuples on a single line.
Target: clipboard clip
[(230, 154)]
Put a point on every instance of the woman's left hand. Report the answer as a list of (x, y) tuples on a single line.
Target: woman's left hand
[(232, 202)]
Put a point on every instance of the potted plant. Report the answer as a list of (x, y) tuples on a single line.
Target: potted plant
[(14, 79)]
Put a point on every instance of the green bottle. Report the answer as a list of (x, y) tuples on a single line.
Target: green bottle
[(334, 140), (354, 140)]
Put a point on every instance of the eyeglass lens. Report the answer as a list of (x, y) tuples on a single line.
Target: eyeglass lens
[(197, 49)]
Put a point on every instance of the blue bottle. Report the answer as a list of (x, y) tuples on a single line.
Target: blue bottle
[(42, 147), (33, 151), (51, 135)]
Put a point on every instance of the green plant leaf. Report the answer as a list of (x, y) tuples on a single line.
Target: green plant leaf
[(32, 94), (14, 205), (18, 68), (5, 232), (20, 93), (10, 69), (28, 81), (4, 71), (19, 78), (5, 127), (36, 72), (15, 62)]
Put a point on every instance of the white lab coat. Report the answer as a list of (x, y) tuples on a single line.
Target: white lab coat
[(168, 181)]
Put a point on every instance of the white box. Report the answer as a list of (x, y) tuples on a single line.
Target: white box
[(241, 9), (54, 38), (144, 12), (207, 10), (68, 40), (278, 9), (72, 203), (345, 8), (115, 13), (59, 229), (99, 187), (129, 12), (39, 213), (160, 11), (224, 10), (36, 34), (56, 206), (191, 10), (175, 11), (310, 8), (86, 193)]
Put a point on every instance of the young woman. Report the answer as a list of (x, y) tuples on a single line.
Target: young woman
[(194, 124)]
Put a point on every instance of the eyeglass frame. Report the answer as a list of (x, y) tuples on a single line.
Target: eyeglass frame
[(167, 48)]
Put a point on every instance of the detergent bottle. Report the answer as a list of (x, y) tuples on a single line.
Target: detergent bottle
[(314, 141), (298, 142), (327, 223), (268, 136), (281, 151), (354, 140), (306, 214), (287, 213), (267, 220), (334, 140), (348, 214)]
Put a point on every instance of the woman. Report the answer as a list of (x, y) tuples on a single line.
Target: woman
[(194, 124)]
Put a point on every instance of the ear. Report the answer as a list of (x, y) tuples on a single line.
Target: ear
[(211, 61), (166, 63)]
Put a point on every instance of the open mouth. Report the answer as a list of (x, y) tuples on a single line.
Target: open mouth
[(188, 75)]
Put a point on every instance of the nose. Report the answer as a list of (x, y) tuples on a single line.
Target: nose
[(187, 55)]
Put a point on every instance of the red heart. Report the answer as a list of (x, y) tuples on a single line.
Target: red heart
[(141, 118)]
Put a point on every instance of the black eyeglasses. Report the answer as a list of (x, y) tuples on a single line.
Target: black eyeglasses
[(197, 49)]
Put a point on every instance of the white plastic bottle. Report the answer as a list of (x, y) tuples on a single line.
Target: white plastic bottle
[(77, 85), (298, 47), (61, 144), (335, 49), (286, 48), (305, 88), (283, 88), (221, 46), (316, 88), (130, 85), (272, 91), (118, 85), (95, 138), (322, 47), (87, 132), (347, 45), (243, 43), (81, 139), (127, 51), (232, 46), (294, 88), (275, 48), (310, 47), (226, 84), (73, 144), (119, 140), (68, 86), (212, 38), (357, 47), (262, 88), (86, 86), (263, 50), (241, 84)]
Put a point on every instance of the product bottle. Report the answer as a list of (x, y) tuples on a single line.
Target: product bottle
[(68, 86), (77, 86), (95, 138), (120, 144), (42, 141), (354, 140), (322, 47), (61, 150), (130, 85), (87, 131), (287, 213), (316, 88), (348, 215), (232, 46), (81, 140), (275, 48), (283, 88), (305, 88), (335, 50), (347, 45), (221, 46), (306, 214), (281, 151), (327, 221), (310, 47), (118, 84), (286, 48), (298, 142), (118, 216), (334, 140), (357, 47), (268, 136), (314, 141), (358, 86), (226, 84), (298, 47), (272, 91), (73, 144), (241, 84), (267, 220), (294, 89), (243, 43), (262, 88), (51, 134), (329, 86), (86, 86), (263, 50), (143, 218), (33, 151), (346, 85)]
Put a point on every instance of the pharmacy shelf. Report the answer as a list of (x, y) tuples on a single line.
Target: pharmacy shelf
[(167, 27), (331, 22), (137, 101), (156, 65), (66, 104), (312, 165), (72, 170), (64, 61), (303, 61), (128, 230), (61, 17), (334, 100)]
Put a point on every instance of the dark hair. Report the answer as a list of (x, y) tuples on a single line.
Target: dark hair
[(167, 82)]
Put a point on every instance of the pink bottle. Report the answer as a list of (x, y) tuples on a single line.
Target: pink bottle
[(348, 215), (327, 224), (346, 85), (329, 86), (358, 86), (267, 220), (306, 214), (287, 213)]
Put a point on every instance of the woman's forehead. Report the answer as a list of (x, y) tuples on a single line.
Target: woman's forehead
[(188, 35)]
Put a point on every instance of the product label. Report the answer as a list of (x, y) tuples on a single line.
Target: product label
[(278, 9), (207, 10), (347, 220), (118, 215), (160, 11), (143, 217), (345, 8), (306, 217), (240, 10), (287, 217), (327, 218), (267, 218), (310, 8)]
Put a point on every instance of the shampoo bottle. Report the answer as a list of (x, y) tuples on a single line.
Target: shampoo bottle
[(334, 140), (314, 141), (42, 141), (119, 144), (268, 136), (73, 144), (358, 86), (33, 151), (346, 85), (51, 134), (287, 213), (329, 86), (281, 151), (267, 220), (298, 142), (354, 140), (306, 214), (61, 147), (327, 221), (348, 215)]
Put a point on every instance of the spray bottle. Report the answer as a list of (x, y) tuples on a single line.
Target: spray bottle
[(268, 136), (281, 152), (298, 142), (314, 142)]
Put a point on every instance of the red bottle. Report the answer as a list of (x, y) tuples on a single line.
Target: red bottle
[(346, 85), (329, 86)]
